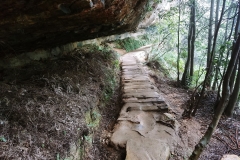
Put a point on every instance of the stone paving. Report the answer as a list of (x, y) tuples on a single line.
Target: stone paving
[(144, 127)]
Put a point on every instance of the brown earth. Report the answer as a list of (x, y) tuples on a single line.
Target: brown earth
[(224, 138)]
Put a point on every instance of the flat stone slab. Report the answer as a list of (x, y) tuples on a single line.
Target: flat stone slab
[(147, 149), (129, 63), (132, 69), (133, 72), (147, 100), (122, 133), (137, 83), (132, 66), (139, 87), (146, 107), (134, 76), (137, 90), (141, 95), (136, 80), (146, 120), (139, 72), (127, 76)]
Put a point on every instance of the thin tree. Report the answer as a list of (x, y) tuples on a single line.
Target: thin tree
[(222, 49), (178, 54), (232, 79), (234, 96), (193, 37), (211, 59), (188, 70), (221, 106), (228, 52), (234, 88), (209, 48)]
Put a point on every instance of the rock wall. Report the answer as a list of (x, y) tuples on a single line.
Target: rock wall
[(30, 24), (53, 53)]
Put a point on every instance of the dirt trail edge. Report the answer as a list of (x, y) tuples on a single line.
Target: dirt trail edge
[(144, 127)]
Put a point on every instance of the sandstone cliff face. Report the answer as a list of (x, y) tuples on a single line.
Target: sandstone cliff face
[(30, 24)]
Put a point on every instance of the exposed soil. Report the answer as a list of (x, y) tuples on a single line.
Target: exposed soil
[(224, 140), (50, 109)]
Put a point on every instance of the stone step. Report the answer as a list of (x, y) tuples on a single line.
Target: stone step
[(139, 90), (134, 73), (147, 107), (136, 83), (147, 100), (131, 69), (129, 63), (142, 95), (131, 66), (134, 76), (126, 71), (139, 87)]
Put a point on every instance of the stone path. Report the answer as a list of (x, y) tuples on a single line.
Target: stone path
[(144, 128)]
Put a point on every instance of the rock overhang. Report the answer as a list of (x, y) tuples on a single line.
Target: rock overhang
[(27, 25)]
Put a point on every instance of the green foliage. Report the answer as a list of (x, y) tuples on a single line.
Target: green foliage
[(92, 118), (110, 81), (2, 139), (184, 54), (58, 156), (130, 44), (198, 77), (88, 139)]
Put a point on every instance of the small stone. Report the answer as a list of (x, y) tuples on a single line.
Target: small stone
[(230, 157)]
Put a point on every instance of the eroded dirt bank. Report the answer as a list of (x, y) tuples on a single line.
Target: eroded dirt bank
[(61, 108)]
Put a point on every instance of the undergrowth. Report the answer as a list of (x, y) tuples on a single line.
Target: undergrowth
[(48, 107), (130, 44)]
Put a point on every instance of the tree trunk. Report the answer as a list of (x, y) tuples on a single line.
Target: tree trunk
[(178, 56), (214, 46), (192, 38), (206, 80), (234, 90), (185, 76), (210, 34), (215, 81), (191, 41), (232, 79), (234, 97), (221, 106), (228, 52)]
